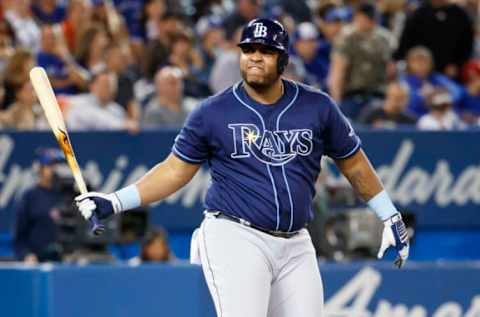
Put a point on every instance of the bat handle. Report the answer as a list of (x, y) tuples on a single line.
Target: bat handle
[(97, 227)]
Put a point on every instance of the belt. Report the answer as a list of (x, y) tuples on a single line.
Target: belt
[(275, 233)]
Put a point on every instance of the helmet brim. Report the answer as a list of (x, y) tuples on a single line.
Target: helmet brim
[(261, 42)]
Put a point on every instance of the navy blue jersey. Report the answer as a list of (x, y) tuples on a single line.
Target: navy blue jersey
[(35, 228), (264, 159)]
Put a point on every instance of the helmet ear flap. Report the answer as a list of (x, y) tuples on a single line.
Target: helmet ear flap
[(282, 62)]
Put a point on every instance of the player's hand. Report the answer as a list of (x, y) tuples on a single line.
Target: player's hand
[(395, 235), (98, 204)]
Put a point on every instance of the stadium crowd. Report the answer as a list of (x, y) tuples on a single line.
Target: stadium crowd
[(135, 64), (139, 64)]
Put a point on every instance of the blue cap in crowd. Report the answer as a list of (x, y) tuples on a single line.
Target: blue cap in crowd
[(305, 31), (208, 23), (48, 156), (342, 14)]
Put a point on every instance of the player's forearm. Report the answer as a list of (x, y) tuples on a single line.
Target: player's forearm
[(161, 181), (361, 175), (164, 179)]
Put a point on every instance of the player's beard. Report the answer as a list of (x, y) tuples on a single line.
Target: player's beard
[(263, 83)]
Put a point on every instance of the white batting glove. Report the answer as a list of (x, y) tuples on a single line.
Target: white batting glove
[(86, 208), (103, 205), (395, 235)]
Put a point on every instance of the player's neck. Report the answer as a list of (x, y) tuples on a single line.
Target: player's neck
[(267, 95)]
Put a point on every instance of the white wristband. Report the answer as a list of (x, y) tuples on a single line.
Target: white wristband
[(382, 205), (128, 197)]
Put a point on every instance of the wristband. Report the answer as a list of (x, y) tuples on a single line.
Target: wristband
[(382, 205), (393, 219), (128, 197)]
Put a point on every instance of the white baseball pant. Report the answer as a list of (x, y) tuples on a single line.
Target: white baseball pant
[(251, 273)]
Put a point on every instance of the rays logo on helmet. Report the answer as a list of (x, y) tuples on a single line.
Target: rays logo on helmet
[(260, 30)]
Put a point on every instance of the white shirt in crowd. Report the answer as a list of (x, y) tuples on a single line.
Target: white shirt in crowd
[(27, 32), (449, 121), (86, 113)]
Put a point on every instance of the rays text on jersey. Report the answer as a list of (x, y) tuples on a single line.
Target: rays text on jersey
[(272, 147)]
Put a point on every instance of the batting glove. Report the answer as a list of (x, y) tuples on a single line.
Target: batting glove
[(102, 205), (395, 234)]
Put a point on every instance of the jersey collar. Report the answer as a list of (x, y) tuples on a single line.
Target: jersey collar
[(285, 99)]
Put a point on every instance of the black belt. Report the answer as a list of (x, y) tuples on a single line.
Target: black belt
[(275, 233)]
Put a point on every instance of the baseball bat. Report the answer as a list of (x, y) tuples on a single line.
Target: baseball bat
[(44, 92)]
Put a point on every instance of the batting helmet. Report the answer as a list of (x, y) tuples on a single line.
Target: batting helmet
[(270, 33)]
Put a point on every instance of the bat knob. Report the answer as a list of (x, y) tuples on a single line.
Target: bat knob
[(97, 227)]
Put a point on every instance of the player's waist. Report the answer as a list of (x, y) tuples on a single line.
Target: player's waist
[(275, 233)]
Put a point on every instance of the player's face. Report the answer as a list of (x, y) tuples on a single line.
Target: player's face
[(258, 65)]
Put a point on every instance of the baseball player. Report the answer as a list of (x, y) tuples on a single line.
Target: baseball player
[(263, 140)]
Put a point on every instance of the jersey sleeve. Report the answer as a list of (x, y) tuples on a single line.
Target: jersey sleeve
[(341, 141), (191, 144)]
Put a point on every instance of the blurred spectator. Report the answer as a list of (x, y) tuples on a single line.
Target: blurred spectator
[(470, 6), (79, 16), (96, 110), (330, 21), (279, 14), (445, 29), (26, 30), (441, 115), (6, 44), (184, 56), (154, 10), (306, 44), (91, 47), (166, 108), (131, 11), (155, 248), (106, 14), (48, 11), (469, 107), (392, 112), (100, 15), (116, 58), (295, 70), (36, 231), (245, 10), (65, 75), (360, 60), (16, 72), (393, 15), (225, 71), (212, 43), (25, 113), (202, 8), (158, 49), (422, 81), (298, 10)]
